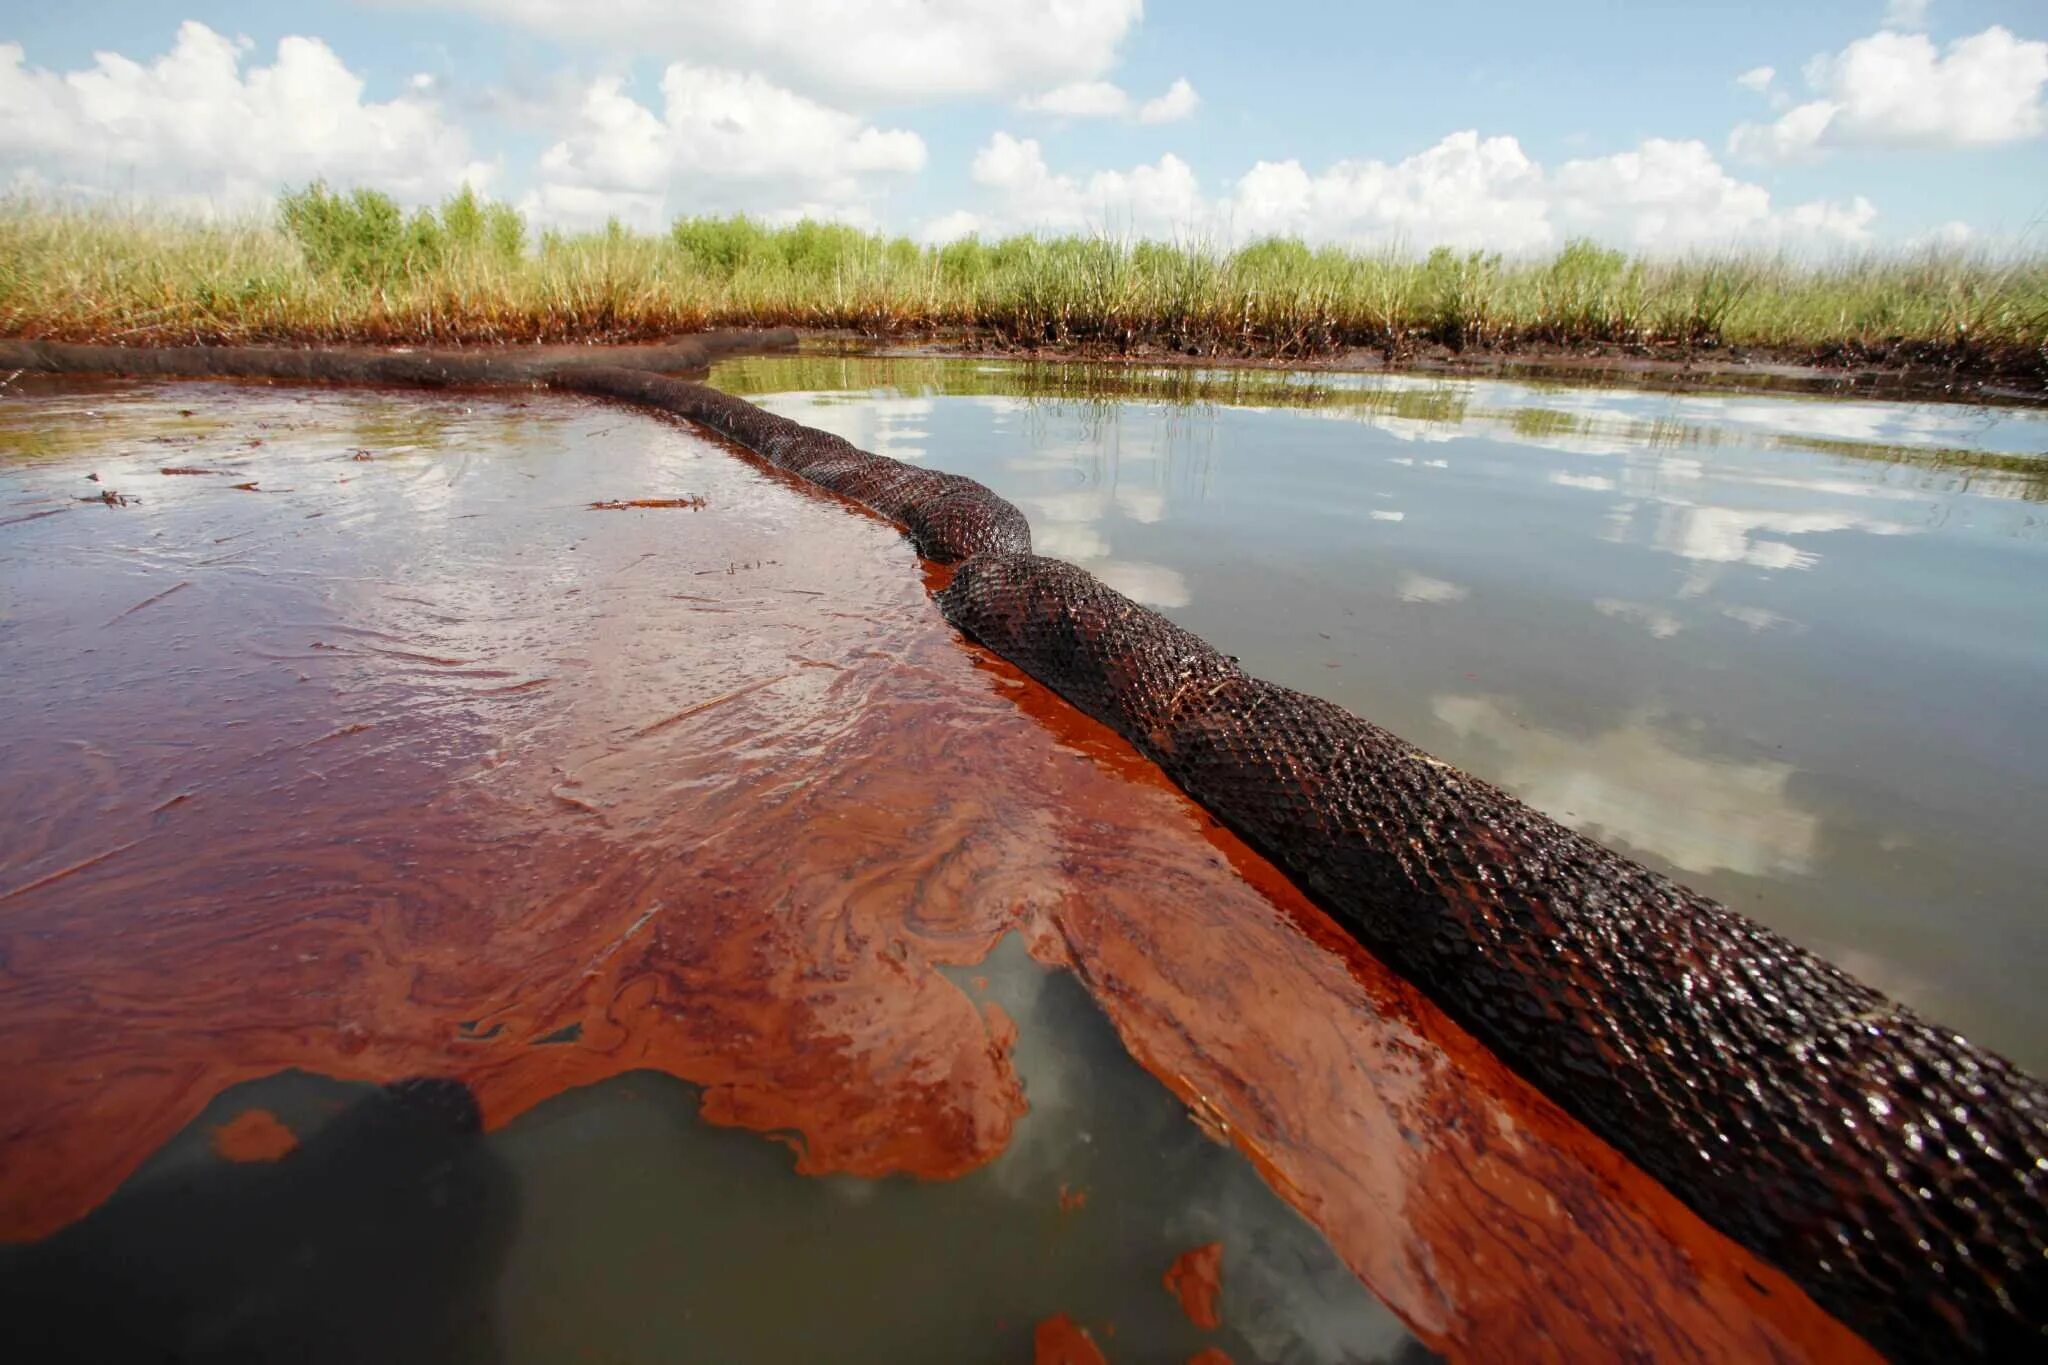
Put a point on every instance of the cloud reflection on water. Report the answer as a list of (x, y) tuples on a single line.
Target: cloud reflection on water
[(1630, 785)]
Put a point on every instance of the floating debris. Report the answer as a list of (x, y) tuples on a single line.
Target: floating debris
[(621, 504)]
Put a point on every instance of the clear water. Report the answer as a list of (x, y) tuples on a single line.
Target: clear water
[(1791, 651)]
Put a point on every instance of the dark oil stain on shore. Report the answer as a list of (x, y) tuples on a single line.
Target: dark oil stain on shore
[(574, 884)]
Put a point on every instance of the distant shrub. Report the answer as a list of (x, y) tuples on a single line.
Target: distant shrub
[(1591, 292), (965, 262), (364, 236), (1271, 257), (360, 234), (722, 246), (1463, 293), (819, 250)]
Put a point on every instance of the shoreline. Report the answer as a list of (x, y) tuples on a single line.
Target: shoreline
[(1809, 372), (1740, 369)]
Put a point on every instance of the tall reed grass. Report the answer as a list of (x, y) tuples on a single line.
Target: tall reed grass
[(354, 267)]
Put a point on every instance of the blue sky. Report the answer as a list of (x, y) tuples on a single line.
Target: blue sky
[(1510, 126)]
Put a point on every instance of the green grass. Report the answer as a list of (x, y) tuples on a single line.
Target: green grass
[(354, 267)]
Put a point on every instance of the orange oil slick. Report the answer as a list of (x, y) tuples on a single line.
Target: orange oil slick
[(1059, 1340), (427, 773), (1196, 1279), (254, 1135)]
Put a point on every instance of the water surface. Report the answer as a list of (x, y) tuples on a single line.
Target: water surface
[(350, 745), (1793, 652), (444, 918)]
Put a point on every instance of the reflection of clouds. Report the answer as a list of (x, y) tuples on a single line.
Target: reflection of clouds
[(1067, 527), (1833, 420), (1141, 504), (1877, 423), (1286, 1296), (1571, 443), (1401, 428), (1073, 541), (1153, 584), (1728, 535), (1083, 504), (1759, 618), (1382, 514), (1843, 488), (1593, 482), (1628, 785), (1661, 624), (1415, 587), (895, 427)]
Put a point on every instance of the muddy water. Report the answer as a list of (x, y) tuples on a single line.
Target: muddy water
[(443, 919), (1792, 652)]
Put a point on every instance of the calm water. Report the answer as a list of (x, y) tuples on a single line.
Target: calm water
[(1793, 652)]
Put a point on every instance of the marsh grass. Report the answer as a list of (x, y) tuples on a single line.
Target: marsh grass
[(354, 267)]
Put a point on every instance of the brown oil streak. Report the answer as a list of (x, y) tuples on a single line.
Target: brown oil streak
[(755, 895), (151, 600), (1196, 1279), (1059, 1340), (623, 504), (253, 1135)]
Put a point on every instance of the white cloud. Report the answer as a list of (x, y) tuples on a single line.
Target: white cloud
[(723, 142), (1794, 137), (1757, 78), (194, 126), (1104, 99), (1463, 192), (1469, 193), (1158, 200), (1906, 15), (1673, 196), (1082, 99), (1466, 192), (1179, 102), (1896, 89), (1946, 237), (892, 49), (951, 227)]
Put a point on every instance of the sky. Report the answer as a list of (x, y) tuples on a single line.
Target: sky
[(1663, 126)]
